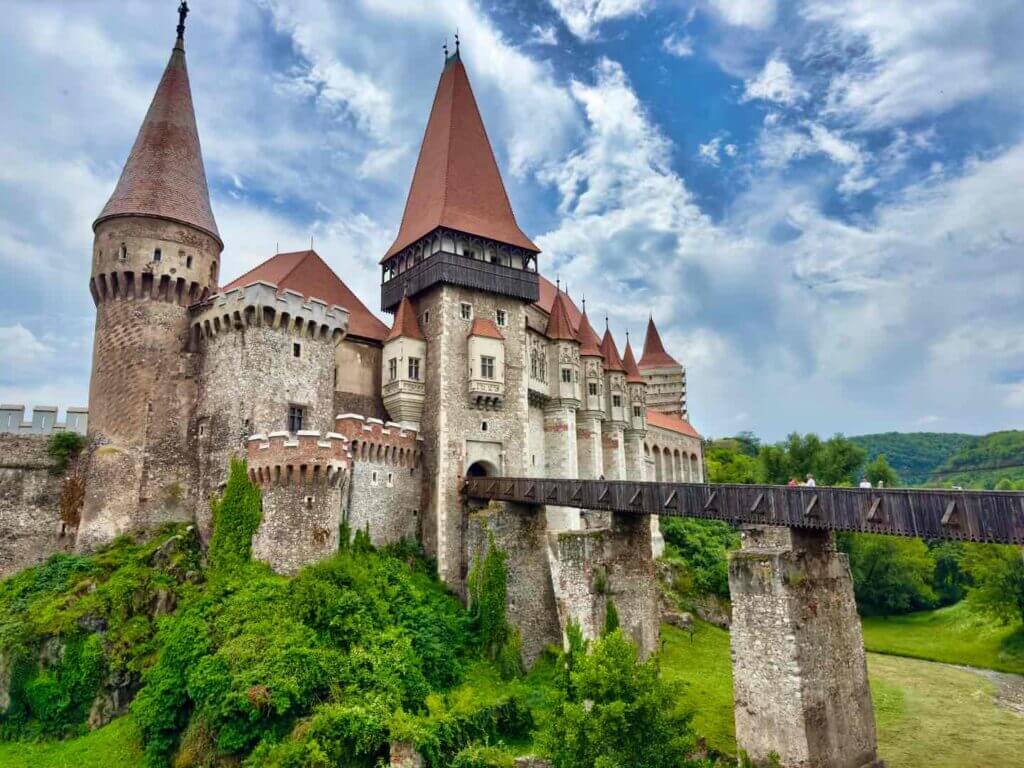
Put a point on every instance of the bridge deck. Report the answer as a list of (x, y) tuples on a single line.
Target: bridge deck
[(987, 516)]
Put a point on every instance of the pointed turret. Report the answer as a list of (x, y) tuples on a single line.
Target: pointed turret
[(654, 355), (590, 344), (629, 363), (164, 175), (406, 325), (559, 325), (457, 183), (612, 361)]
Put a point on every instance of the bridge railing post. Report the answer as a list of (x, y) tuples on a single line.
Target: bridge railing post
[(800, 686)]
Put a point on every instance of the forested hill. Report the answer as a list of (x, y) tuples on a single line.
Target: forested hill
[(947, 458), (914, 455)]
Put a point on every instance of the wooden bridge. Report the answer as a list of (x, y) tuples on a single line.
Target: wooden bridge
[(985, 516)]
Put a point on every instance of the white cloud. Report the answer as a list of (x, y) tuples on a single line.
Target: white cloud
[(21, 347), (680, 46), (917, 59), (546, 35), (756, 14), (711, 152), (774, 83), (583, 17)]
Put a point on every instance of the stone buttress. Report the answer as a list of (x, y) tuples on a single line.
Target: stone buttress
[(800, 684)]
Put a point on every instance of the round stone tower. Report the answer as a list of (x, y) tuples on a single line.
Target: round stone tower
[(156, 252)]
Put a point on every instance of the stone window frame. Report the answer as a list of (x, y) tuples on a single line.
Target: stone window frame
[(414, 369), (158, 254), (637, 411), (592, 388), (500, 318), (616, 401), (391, 480), (297, 349), (392, 369), (296, 417), (487, 364), (466, 310), (567, 375)]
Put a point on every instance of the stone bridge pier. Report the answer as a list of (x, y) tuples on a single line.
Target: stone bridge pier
[(800, 686)]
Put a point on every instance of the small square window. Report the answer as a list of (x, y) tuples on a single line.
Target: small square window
[(296, 349), (157, 254), (592, 388), (373, 478), (617, 401), (309, 502), (122, 252), (501, 318), (414, 368), (469, 253), (188, 262), (567, 376), (483, 426), (426, 317), (467, 311), (391, 479), (392, 369), (637, 411)]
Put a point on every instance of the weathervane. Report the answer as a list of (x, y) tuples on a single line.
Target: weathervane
[(182, 13)]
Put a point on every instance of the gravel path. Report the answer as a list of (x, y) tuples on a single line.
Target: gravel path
[(1010, 687)]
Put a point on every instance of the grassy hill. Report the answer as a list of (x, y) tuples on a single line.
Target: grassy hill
[(915, 454), (970, 465)]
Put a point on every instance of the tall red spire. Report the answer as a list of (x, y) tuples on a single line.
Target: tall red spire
[(629, 363), (164, 174), (654, 355), (612, 361), (406, 325), (457, 183)]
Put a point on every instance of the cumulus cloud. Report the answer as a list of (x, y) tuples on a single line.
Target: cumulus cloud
[(755, 14), (774, 83), (711, 152), (546, 35), (583, 17)]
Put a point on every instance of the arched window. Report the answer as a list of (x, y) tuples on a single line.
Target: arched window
[(658, 476), (695, 468)]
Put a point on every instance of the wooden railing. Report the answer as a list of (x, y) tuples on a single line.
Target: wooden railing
[(987, 516)]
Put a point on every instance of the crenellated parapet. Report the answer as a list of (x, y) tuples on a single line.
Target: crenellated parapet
[(305, 458), (381, 442), (261, 304)]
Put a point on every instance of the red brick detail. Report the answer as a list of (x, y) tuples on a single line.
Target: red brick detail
[(304, 459), (372, 441)]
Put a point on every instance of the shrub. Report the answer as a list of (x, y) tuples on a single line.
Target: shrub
[(703, 546), (64, 446), (479, 756)]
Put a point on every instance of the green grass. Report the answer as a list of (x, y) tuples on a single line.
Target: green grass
[(705, 670), (928, 715), (955, 635), (116, 745)]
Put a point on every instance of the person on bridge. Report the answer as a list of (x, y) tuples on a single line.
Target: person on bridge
[(810, 481), (864, 482), (792, 482)]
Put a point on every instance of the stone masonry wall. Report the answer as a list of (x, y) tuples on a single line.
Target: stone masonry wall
[(799, 672), (521, 533), (249, 376), (454, 428), (30, 526), (303, 478)]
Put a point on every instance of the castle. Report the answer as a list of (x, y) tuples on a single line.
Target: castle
[(487, 368)]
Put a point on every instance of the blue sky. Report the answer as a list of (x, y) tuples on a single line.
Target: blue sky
[(820, 201)]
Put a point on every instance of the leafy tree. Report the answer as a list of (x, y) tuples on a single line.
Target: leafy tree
[(998, 575), (890, 575), (832, 462), (703, 545), (951, 579), (726, 465), (64, 446), (879, 471), (617, 712)]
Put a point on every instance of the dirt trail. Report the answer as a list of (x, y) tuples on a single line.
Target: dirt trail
[(1009, 687)]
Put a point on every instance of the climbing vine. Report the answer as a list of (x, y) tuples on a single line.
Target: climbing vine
[(236, 516)]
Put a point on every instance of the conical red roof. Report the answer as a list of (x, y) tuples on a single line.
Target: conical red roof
[(590, 345), (629, 363), (612, 361), (559, 323), (654, 355), (406, 325), (164, 174), (457, 183)]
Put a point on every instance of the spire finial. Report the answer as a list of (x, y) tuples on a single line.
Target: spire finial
[(606, 326), (182, 13), (584, 303), (445, 48), (558, 284), (456, 41)]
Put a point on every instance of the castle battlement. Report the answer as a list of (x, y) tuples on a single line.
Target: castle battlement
[(305, 458), (262, 304), (42, 421), (381, 442)]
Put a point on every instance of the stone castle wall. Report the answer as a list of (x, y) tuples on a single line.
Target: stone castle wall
[(385, 497), (303, 478), (250, 374), (31, 528), (454, 428)]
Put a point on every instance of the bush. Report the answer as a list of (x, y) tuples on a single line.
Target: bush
[(64, 446), (703, 546), (617, 712), (890, 575), (477, 756)]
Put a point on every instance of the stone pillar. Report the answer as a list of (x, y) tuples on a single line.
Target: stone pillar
[(800, 686), (633, 441), (560, 459), (613, 448), (588, 445)]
